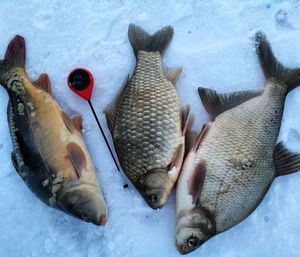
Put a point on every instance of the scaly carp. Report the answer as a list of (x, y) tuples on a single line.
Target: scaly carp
[(146, 121)]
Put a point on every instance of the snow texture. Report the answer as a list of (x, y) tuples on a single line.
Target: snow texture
[(214, 44)]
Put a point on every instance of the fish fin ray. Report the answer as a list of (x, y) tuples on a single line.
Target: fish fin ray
[(173, 75), (4, 67), (177, 158), (197, 181), (187, 119), (16, 52), (271, 66), (68, 121), (77, 157), (216, 103), (194, 139), (77, 123), (286, 162), (43, 83), (111, 110), (15, 55), (142, 41)]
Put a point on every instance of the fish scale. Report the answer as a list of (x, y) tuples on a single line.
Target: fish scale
[(146, 120), (157, 108), (234, 160), (225, 177)]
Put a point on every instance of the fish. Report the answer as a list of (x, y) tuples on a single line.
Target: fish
[(146, 120), (49, 152), (232, 163)]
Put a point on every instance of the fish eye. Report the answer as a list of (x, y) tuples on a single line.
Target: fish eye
[(192, 241), (152, 198)]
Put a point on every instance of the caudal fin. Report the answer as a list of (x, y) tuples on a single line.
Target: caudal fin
[(15, 55), (271, 66), (142, 41)]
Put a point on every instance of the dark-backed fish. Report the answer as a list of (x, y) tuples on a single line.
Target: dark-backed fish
[(49, 152)]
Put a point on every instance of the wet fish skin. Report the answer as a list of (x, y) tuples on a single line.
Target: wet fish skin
[(146, 120), (231, 167), (48, 148)]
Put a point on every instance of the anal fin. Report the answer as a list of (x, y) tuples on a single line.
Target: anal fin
[(216, 103), (286, 162)]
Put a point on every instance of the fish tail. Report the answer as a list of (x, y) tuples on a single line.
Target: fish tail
[(14, 56), (271, 66), (142, 41)]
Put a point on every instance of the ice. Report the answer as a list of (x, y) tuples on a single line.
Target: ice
[(213, 42)]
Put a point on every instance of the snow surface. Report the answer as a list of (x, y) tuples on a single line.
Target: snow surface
[(213, 42)]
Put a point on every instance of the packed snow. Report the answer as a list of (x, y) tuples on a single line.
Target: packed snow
[(213, 42)]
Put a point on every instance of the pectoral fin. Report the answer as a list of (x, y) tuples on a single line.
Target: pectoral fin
[(177, 158), (77, 158), (43, 83), (197, 181), (286, 162), (215, 103), (111, 110), (193, 139), (187, 119)]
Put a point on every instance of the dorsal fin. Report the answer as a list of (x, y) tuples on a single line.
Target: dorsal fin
[(77, 157), (43, 83), (68, 122), (110, 111), (173, 75), (215, 103), (78, 123), (197, 181)]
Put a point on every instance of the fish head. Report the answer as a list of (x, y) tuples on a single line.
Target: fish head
[(154, 187), (85, 203), (193, 228)]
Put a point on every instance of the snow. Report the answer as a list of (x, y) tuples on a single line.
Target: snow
[(213, 42)]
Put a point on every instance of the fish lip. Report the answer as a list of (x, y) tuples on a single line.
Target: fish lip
[(102, 220), (182, 251)]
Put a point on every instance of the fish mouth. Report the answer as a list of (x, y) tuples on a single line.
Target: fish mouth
[(184, 251), (155, 188), (102, 220)]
